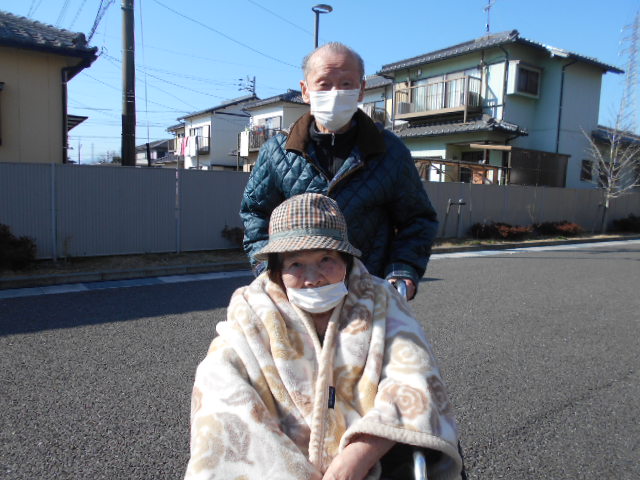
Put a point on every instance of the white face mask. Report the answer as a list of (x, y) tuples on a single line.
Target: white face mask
[(333, 109), (317, 300)]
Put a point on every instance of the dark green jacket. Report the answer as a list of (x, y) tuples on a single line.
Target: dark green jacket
[(388, 213)]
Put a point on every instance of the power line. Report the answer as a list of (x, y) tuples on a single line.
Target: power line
[(144, 69), (224, 35), (116, 88), (77, 14), (280, 17), (144, 62), (190, 55), (63, 12), (102, 9), (113, 60), (33, 7)]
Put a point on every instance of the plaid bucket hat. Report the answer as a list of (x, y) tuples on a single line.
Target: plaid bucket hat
[(307, 222)]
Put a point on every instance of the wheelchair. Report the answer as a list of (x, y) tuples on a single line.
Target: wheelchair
[(404, 462)]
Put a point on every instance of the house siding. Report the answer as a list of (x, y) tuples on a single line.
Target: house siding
[(31, 106)]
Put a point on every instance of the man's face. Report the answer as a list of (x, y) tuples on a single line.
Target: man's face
[(332, 71)]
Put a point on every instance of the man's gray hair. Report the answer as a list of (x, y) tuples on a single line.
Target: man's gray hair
[(333, 47)]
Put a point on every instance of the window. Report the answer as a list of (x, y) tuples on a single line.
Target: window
[(586, 171), (523, 79), (528, 81)]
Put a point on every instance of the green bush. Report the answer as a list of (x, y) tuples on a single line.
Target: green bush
[(628, 224), (16, 253)]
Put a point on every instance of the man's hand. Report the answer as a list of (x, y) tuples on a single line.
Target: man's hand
[(411, 287)]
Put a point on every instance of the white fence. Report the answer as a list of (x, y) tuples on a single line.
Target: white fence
[(72, 210)]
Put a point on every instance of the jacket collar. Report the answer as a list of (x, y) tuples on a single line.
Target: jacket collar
[(369, 139)]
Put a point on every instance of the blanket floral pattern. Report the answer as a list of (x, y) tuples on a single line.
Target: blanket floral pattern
[(261, 403)]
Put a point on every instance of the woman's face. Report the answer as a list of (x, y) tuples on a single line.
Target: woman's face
[(312, 268)]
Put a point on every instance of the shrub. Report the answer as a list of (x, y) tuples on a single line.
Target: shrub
[(628, 224), (235, 235), (16, 253), (564, 228), (499, 231)]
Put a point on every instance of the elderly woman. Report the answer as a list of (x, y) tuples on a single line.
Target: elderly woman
[(320, 368)]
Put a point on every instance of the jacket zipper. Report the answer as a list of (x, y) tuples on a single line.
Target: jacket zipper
[(346, 175)]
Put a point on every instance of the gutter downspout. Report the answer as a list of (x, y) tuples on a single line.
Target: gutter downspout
[(65, 134), (505, 80), (66, 74), (564, 67), (507, 162)]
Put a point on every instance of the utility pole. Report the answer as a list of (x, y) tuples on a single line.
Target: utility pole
[(629, 108), (248, 85), (128, 86)]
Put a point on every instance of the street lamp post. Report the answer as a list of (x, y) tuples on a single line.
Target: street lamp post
[(318, 9)]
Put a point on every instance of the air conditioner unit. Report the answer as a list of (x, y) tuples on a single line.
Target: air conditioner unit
[(404, 107)]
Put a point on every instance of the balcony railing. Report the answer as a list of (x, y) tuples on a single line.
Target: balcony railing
[(203, 143), (377, 114), (259, 135), (449, 96)]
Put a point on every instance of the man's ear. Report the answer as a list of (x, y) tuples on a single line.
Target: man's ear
[(363, 84), (305, 91)]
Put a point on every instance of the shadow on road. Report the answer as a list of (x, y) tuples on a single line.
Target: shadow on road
[(69, 310)]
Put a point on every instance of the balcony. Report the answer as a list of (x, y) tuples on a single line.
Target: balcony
[(459, 95), (259, 135), (180, 146), (377, 113)]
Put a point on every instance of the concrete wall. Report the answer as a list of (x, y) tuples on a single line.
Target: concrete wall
[(31, 106), (73, 210)]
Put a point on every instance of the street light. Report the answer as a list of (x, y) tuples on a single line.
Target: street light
[(318, 9)]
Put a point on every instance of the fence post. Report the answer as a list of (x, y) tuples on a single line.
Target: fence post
[(54, 226), (178, 211)]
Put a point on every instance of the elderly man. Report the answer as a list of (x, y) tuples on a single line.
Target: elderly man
[(337, 150)]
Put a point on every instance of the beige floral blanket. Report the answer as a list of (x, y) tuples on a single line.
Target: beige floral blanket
[(270, 401)]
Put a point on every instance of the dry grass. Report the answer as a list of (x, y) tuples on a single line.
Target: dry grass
[(127, 262), (136, 262)]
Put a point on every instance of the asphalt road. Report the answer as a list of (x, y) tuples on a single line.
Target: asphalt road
[(539, 349)]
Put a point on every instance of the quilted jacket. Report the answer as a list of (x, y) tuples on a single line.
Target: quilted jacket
[(389, 215)]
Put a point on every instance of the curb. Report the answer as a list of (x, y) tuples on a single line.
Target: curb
[(540, 243), (108, 275)]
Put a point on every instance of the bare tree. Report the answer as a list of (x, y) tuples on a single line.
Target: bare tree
[(616, 165), (615, 152)]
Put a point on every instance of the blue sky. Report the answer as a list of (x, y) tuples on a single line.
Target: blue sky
[(191, 54)]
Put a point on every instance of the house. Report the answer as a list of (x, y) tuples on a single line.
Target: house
[(153, 153), (268, 117), (37, 62), (376, 102), (497, 109), (614, 160), (206, 139)]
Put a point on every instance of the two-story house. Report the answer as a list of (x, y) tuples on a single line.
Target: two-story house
[(498, 109), (37, 62), (154, 153), (376, 102), (208, 139), (268, 117)]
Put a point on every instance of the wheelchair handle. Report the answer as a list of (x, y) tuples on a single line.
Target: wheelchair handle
[(401, 286)]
